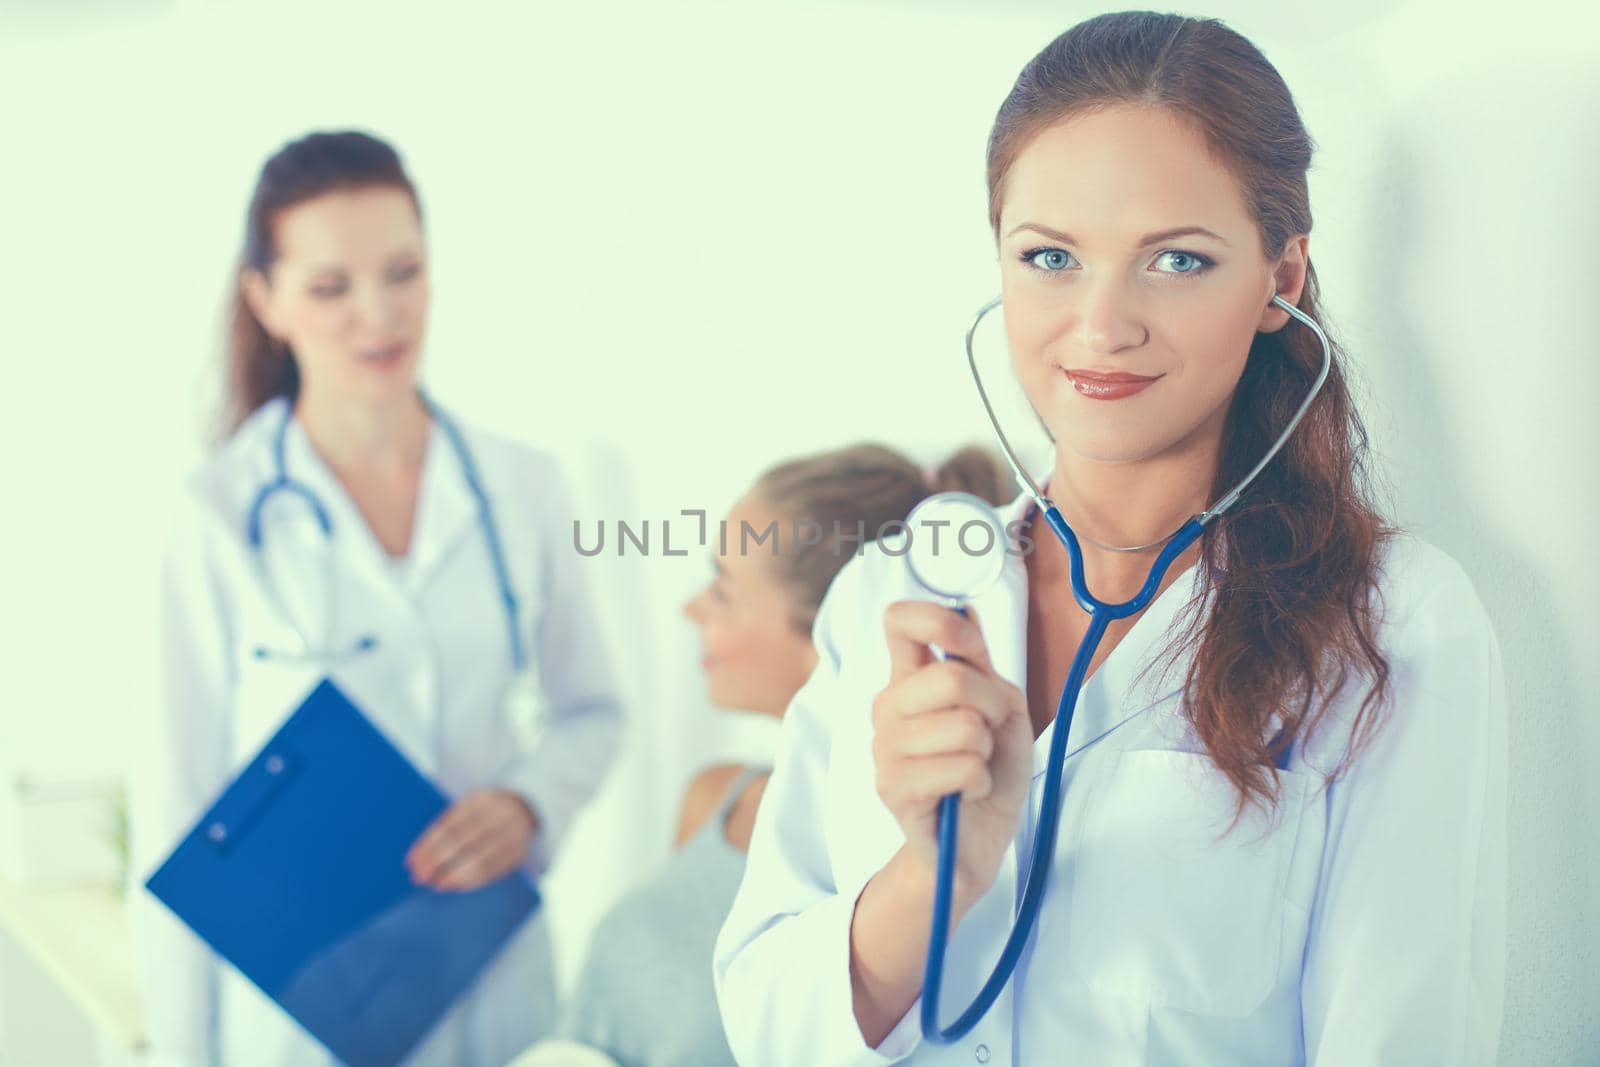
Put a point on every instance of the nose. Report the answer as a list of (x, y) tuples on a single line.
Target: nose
[(1108, 316), (377, 309), (691, 607)]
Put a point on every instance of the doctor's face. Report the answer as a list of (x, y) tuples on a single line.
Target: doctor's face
[(1092, 284), (753, 656), (348, 292)]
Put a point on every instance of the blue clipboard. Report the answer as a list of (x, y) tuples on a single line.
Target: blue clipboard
[(296, 876)]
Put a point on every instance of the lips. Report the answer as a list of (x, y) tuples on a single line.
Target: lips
[(1107, 378), (387, 354), (1107, 385)]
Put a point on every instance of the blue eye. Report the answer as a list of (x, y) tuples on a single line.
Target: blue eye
[(1050, 260), (1056, 260), (1201, 263)]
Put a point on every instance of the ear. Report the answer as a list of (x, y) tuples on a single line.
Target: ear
[(1288, 280), (258, 297)]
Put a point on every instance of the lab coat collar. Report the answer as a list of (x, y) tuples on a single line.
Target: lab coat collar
[(1109, 698), (445, 509)]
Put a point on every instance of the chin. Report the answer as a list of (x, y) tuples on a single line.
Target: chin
[(1109, 448), (387, 384), (725, 698), (717, 693)]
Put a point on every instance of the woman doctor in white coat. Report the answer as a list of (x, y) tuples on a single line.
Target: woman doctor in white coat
[(402, 600), (1335, 684)]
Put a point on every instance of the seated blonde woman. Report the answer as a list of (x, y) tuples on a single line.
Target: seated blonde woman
[(644, 996)]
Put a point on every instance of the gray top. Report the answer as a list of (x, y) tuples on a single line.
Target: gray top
[(645, 994)]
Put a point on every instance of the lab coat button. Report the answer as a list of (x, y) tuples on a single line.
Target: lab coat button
[(217, 832), (981, 1054)]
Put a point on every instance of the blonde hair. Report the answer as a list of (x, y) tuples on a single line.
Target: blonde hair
[(864, 487)]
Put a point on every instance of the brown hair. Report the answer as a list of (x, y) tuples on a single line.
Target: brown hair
[(260, 367), (865, 487), (1293, 564)]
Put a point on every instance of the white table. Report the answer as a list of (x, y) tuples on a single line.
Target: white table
[(68, 983)]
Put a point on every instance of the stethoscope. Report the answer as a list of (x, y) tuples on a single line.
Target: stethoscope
[(523, 696), (955, 577)]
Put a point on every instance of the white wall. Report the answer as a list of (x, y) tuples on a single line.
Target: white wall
[(664, 235)]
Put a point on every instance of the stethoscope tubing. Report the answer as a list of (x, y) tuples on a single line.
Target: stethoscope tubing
[(1101, 615), (282, 483)]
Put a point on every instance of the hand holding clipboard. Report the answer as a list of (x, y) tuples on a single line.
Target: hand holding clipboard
[(481, 837), (297, 876)]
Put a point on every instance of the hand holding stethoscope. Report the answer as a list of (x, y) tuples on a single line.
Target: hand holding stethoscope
[(982, 798), (950, 725)]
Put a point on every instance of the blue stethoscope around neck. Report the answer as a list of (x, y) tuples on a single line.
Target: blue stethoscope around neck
[(1101, 615), (323, 653)]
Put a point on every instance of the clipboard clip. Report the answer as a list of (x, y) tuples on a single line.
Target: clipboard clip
[(251, 794)]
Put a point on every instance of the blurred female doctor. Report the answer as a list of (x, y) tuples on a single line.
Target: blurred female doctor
[(401, 599)]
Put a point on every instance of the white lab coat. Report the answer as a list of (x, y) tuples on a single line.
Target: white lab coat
[(1365, 926), (434, 686)]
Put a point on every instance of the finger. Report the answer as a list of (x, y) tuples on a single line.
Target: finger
[(905, 653), (461, 812), (429, 859), (949, 731), (925, 779), (467, 844), (484, 811), (420, 854), (971, 646), (912, 625), (483, 865), (952, 684)]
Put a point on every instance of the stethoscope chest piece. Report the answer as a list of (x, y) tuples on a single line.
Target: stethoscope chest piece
[(956, 546), (525, 705)]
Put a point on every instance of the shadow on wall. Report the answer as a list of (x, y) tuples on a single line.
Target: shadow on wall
[(1500, 269)]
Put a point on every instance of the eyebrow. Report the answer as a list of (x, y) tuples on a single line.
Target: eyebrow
[(1147, 239), (392, 259)]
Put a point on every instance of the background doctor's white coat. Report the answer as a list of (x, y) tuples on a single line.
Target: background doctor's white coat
[(664, 235)]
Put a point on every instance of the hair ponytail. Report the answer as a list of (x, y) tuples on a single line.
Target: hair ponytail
[(259, 367)]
